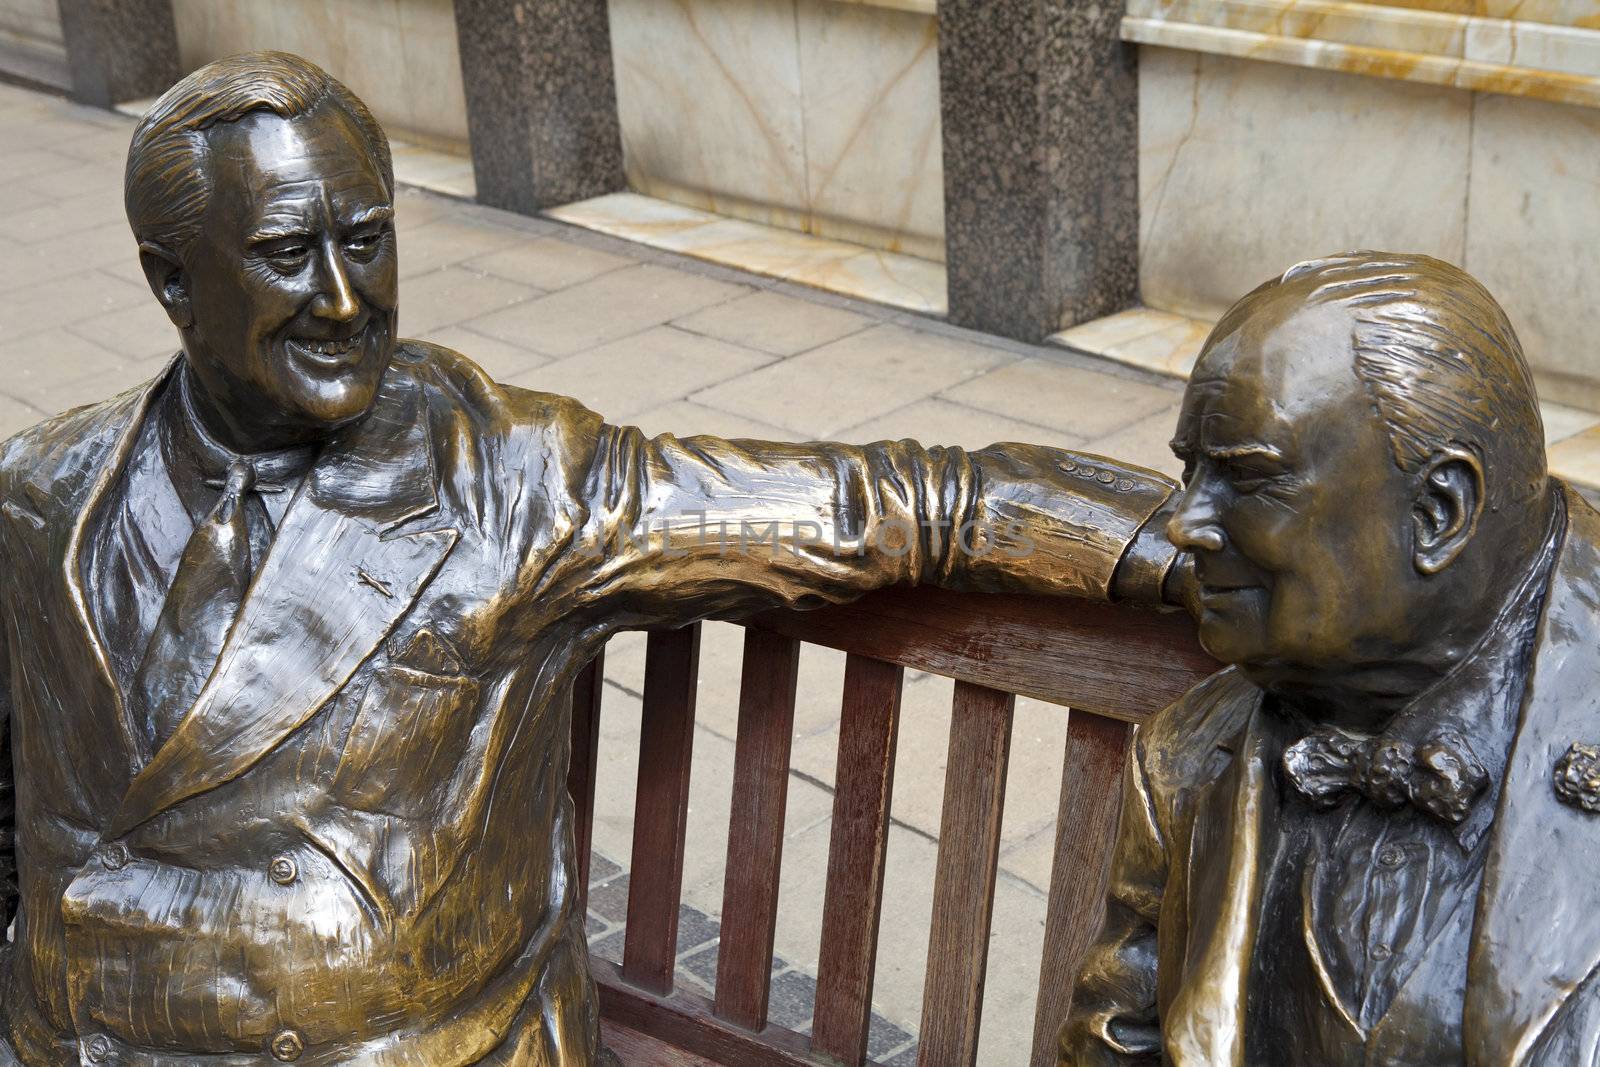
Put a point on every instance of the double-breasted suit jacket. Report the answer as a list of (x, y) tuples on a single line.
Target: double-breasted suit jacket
[(356, 847), (1169, 981)]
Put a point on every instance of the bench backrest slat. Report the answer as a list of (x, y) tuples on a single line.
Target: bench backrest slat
[(661, 811), (1113, 665), (869, 724), (586, 691), (1091, 792), (963, 887), (755, 831)]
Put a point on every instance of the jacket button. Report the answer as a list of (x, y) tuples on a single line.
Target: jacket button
[(287, 1046), (283, 869), (114, 857), (97, 1049)]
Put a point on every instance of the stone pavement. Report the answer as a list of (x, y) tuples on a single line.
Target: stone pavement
[(669, 344)]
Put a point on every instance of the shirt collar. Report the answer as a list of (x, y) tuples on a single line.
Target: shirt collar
[(198, 462)]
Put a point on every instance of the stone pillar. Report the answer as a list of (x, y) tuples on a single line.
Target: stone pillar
[(1039, 103), (541, 101), (119, 50)]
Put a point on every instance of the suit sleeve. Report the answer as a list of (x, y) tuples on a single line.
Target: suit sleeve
[(1113, 1021), (696, 527)]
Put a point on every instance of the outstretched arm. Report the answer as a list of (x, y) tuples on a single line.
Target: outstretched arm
[(688, 528)]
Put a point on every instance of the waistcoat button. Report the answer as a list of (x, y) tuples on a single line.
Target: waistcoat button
[(97, 1050), (283, 869), (287, 1046), (115, 857)]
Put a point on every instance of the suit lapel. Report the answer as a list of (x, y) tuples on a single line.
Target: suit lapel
[(1206, 1024), (337, 579), (1535, 942), (112, 445)]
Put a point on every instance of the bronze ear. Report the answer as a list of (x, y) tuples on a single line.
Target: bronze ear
[(1450, 495), (168, 280)]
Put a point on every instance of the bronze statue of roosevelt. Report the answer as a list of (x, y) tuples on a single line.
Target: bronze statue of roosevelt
[(1372, 838), (285, 633)]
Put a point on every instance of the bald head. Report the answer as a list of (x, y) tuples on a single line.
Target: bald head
[(1365, 473)]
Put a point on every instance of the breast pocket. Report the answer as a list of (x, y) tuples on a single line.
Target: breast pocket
[(407, 741)]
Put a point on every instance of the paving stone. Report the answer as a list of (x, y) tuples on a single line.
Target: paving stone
[(451, 295), (106, 246), (447, 240), (1146, 442), (851, 380), (499, 358), (1080, 402), (43, 361), (22, 163), (15, 416), (608, 948), (89, 390), (594, 926), (695, 929), (686, 419), (639, 372), (772, 322), (908, 1058), (140, 332), (610, 899), (940, 422), (791, 999), (47, 305), (604, 309), (48, 222), (884, 1036), (601, 869), (549, 264)]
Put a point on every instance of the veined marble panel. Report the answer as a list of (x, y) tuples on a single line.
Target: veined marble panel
[(1533, 234), (820, 116), (708, 94), (399, 56), (870, 104), (924, 7), (1248, 168), (838, 266), (1512, 56)]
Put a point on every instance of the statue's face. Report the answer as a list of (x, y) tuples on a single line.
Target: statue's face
[(1293, 506), (293, 282)]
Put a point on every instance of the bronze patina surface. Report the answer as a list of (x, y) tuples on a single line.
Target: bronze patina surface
[(1371, 839), (285, 634)]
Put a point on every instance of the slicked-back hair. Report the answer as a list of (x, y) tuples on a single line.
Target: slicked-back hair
[(1438, 357), (168, 176)]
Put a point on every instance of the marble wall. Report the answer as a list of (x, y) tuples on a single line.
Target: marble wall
[(398, 56), (812, 115), (1248, 167), (31, 45)]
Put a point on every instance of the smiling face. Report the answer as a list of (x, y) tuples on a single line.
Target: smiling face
[(1293, 506), (292, 283)]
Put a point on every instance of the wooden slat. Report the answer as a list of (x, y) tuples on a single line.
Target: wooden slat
[(755, 829), (868, 730), (685, 1021), (1114, 659), (586, 689), (963, 889), (666, 744), (1091, 796)]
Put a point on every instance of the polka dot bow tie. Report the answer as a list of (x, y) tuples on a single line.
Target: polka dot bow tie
[(1441, 776)]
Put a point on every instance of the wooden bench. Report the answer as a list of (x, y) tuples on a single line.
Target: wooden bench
[(1112, 665)]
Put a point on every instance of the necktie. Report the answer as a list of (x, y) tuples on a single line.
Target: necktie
[(207, 589), (1441, 776)]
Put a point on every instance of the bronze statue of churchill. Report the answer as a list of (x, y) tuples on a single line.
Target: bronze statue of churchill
[(1372, 839), (284, 632)]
